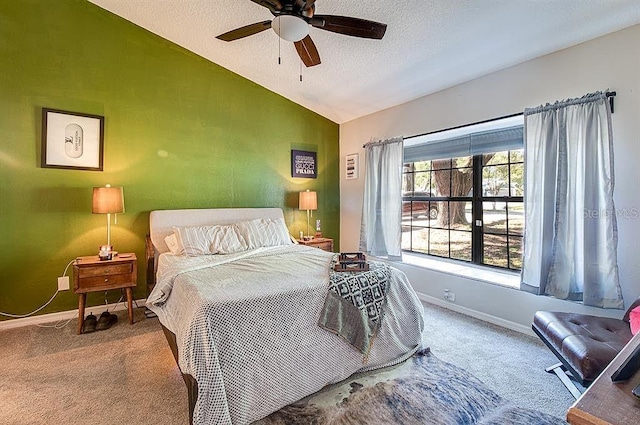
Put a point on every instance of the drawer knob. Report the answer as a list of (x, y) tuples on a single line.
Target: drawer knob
[(106, 280), (106, 270)]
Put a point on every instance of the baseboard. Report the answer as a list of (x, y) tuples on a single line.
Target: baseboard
[(70, 314), (64, 315), (477, 314)]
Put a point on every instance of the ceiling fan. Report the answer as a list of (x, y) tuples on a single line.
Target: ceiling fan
[(291, 23)]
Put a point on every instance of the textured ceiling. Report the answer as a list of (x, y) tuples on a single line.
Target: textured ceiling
[(429, 44)]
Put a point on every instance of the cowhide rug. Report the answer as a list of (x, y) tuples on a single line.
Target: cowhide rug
[(421, 390)]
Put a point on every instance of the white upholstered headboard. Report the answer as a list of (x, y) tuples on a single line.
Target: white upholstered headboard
[(161, 222)]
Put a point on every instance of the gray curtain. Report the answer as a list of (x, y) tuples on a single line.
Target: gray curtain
[(380, 232), (570, 239)]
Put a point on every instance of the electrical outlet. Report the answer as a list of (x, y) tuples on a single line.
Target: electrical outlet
[(449, 296), (63, 283)]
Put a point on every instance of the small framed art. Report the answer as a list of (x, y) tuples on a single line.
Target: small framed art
[(72, 140), (351, 166), (303, 164)]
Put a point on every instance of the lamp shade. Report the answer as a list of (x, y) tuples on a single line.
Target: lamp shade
[(308, 201), (107, 200)]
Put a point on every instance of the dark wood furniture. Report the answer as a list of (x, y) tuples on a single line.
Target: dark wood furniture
[(151, 272), (606, 402), (190, 381), (90, 274), (325, 244)]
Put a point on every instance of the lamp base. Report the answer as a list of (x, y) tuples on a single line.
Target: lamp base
[(106, 252)]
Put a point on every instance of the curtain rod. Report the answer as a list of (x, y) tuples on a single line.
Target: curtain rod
[(587, 98), (609, 94), (382, 142)]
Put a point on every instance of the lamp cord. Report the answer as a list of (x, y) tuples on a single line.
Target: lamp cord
[(21, 316)]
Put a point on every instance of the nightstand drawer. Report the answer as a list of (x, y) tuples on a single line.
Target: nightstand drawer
[(106, 280), (106, 270), (326, 246)]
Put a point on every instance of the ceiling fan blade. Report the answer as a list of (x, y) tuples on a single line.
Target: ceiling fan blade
[(355, 27), (272, 5), (245, 31), (307, 51)]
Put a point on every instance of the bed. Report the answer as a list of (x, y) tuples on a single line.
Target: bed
[(242, 322)]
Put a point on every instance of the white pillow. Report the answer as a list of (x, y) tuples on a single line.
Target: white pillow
[(263, 232), (173, 245), (206, 240)]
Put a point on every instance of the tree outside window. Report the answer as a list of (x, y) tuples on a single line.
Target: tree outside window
[(466, 208)]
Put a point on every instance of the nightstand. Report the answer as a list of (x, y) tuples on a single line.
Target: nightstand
[(325, 244), (90, 274)]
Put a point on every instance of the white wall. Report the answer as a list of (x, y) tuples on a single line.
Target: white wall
[(611, 62)]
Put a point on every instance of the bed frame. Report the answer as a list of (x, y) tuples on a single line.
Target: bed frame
[(190, 382), (161, 223)]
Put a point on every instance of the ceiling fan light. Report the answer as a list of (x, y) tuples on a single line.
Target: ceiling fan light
[(290, 28)]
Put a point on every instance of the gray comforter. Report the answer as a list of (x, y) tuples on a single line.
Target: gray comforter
[(247, 329)]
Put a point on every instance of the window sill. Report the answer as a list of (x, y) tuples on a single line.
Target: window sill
[(484, 274)]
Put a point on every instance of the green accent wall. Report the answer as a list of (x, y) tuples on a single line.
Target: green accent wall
[(180, 132)]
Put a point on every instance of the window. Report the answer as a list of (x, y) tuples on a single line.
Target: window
[(466, 207)]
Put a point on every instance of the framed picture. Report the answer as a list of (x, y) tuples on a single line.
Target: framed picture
[(351, 166), (303, 164), (72, 140)]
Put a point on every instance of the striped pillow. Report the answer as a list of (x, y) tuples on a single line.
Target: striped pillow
[(207, 240), (263, 232)]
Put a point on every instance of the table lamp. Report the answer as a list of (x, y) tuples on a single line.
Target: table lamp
[(308, 201), (107, 200)]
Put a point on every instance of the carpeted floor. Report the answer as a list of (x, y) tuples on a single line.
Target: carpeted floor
[(509, 362), (123, 375), (127, 374)]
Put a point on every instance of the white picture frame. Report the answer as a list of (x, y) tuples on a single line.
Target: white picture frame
[(351, 165)]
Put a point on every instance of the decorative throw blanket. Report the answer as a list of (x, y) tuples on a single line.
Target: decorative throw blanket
[(354, 306)]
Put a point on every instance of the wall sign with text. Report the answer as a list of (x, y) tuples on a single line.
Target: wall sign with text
[(303, 164), (351, 166)]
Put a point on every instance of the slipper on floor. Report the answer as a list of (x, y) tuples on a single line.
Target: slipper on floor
[(106, 320), (89, 324)]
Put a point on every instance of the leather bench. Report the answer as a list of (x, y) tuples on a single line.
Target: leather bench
[(584, 344)]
